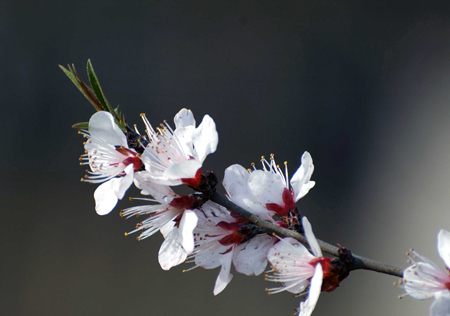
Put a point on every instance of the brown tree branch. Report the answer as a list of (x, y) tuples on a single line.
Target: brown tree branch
[(359, 262)]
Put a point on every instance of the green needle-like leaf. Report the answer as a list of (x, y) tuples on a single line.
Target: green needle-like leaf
[(83, 125), (84, 89), (95, 84)]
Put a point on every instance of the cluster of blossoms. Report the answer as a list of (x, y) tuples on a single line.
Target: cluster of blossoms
[(198, 229), (195, 229)]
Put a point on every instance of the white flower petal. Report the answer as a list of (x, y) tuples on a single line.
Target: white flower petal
[(167, 228), (209, 258), (215, 213), (105, 196), (312, 241), (224, 276), (183, 170), (289, 245), (235, 180), (103, 126), (161, 193), (444, 246), (184, 118), (185, 231), (423, 280), (183, 137), (441, 306), (171, 252), (250, 258), (125, 182), (292, 261), (266, 187), (307, 307), (300, 180), (205, 138)]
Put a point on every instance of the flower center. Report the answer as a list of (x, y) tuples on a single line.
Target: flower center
[(132, 158), (234, 237)]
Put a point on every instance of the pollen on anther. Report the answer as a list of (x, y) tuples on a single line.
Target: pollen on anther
[(130, 198), (126, 234)]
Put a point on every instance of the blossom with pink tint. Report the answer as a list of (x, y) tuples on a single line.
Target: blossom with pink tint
[(296, 268), (174, 157), (111, 161), (271, 188), (221, 239), (423, 279), (172, 215)]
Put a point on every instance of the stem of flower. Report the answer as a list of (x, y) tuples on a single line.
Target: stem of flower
[(359, 262)]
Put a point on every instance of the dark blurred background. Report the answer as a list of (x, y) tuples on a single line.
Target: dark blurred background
[(364, 86)]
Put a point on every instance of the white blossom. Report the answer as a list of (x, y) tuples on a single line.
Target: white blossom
[(220, 240), (111, 162), (172, 215), (296, 268), (424, 279), (271, 187), (174, 157)]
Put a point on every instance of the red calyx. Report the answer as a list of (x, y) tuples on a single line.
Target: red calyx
[(288, 199), (330, 277), (132, 158), (194, 182), (182, 202), (234, 238), (289, 204)]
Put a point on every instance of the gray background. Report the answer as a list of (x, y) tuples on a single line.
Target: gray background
[(364, 86)]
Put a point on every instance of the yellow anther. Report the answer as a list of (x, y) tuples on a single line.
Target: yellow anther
[(82, 180), (126, 234), (131, 199), (285, 162), (142, 114)]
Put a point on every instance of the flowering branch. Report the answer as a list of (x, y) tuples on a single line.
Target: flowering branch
[(358, 262), (199, 228)]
